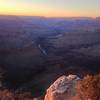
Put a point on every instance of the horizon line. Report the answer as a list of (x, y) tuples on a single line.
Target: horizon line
[(50, 16)]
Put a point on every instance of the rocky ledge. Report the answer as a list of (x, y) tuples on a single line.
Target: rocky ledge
[(73, 88), (63, 88)]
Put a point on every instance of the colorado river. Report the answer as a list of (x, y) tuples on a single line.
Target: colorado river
[(42, 50)]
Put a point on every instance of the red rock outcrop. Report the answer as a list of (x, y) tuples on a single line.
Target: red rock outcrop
[(63, 89)]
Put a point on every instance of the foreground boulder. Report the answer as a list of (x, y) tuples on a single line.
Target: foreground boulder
[(63, 89)]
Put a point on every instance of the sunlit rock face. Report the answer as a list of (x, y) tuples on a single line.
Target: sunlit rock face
[(63, 89)]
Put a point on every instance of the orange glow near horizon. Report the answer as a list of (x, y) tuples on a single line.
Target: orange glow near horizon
[(13, 7)]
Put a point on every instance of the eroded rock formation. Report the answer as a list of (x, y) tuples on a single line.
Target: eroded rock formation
[(63, 88)]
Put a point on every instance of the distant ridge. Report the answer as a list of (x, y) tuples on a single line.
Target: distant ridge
[(68, 18)]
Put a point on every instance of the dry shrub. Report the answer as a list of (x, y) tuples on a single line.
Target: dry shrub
[(9, 95), (6, 95), (89, 87)]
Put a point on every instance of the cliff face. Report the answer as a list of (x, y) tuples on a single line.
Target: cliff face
[(63, 88), (73, 88)]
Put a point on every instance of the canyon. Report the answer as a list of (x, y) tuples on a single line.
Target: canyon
[(35, 51)]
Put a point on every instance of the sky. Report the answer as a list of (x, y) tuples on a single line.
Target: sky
[(51, 8)]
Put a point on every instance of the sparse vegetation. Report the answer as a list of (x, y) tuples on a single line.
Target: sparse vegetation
[(9, 95), (89, 87)]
